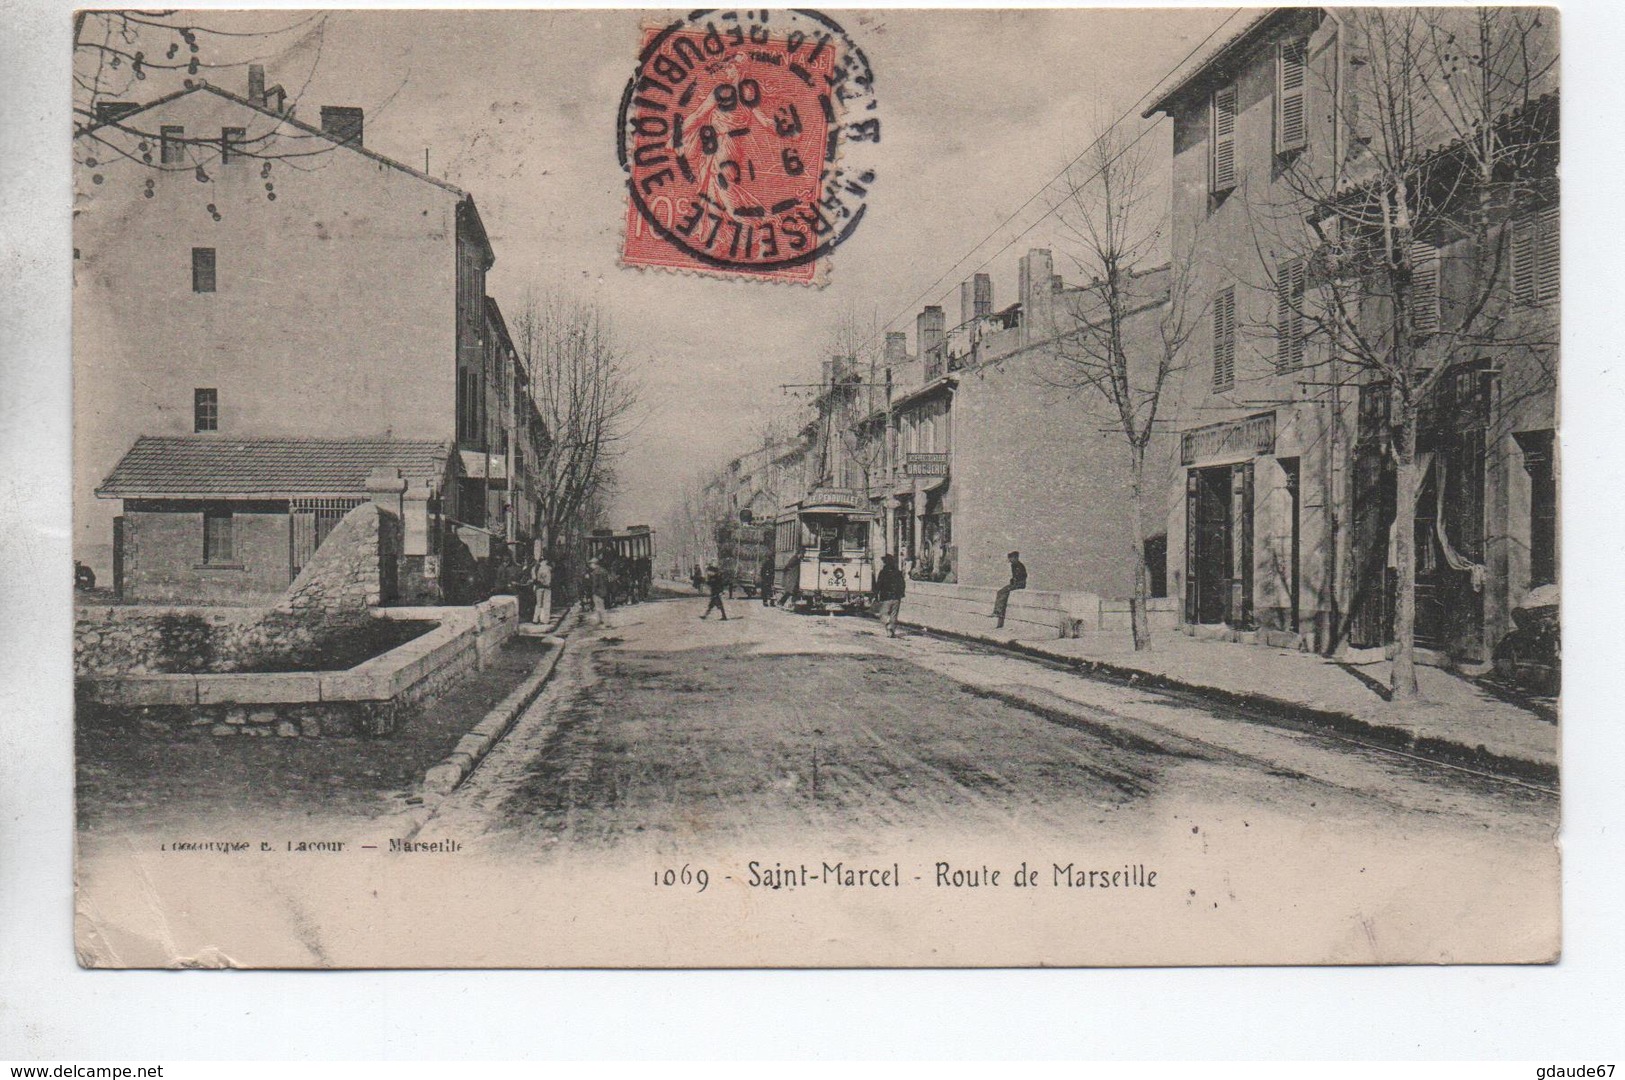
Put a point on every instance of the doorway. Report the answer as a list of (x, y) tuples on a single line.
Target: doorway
[(1219, 545), (1212, 556)]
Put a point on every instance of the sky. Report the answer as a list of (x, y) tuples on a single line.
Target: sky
[(980, 109)]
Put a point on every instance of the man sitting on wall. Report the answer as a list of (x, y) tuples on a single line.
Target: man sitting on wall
[(1018, 580)]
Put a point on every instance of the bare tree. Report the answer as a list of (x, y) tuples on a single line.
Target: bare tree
[(1114, 219), (1442, 140), (126, 59), (586, 396)]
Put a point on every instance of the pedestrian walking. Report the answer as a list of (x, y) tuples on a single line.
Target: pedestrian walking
[(600, 590), (697, 578), (541, 582), (1018, 580), (716, 581), (765, 580), (889, 588)]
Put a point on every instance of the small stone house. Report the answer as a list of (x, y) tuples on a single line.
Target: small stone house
[(208, 520)]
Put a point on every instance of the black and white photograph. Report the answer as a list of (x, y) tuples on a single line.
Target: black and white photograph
[(850, 488)]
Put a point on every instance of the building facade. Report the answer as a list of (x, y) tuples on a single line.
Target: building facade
[(260, 277), (1282, 506), (986, 444)]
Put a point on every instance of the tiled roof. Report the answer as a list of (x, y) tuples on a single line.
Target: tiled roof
[(204, 466)]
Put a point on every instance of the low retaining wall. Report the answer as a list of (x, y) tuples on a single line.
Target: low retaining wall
[(1033, 614), (153, 639), (372, 698)]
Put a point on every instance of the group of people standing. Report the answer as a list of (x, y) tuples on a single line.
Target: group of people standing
[(531, 582), (607, 580), (611, 579), (890, 586)]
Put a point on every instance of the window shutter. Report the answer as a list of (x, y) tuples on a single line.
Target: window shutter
[(1289, 290), (1522, 270), (1224, 140), (1548, 251), (1424, 288), (1291, 129), (1224, 338)]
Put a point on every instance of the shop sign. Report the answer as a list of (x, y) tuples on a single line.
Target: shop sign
[(1239, 439), (926, 465)]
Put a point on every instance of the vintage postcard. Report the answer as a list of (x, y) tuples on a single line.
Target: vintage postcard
[(743, 488)]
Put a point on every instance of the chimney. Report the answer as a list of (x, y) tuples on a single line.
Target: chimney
[(342, 122), (1037, 288), (982, 301), (896, 348), (929, 331), (256, 83), (967, 302)]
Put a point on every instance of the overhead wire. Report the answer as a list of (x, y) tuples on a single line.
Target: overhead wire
[(931, 290)]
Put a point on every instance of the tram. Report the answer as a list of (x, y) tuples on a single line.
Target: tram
[(741, 547), (629, 557), (821, 555)]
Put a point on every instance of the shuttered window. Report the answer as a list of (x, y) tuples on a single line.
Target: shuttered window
[(1224, 338), (1424, 288), (1536, 257), (1291, 126), (1222, 172), (1289, 295)]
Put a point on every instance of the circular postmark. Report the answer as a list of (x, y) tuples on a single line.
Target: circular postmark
[(748, 139)]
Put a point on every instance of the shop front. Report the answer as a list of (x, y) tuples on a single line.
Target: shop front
[(1242, 562)]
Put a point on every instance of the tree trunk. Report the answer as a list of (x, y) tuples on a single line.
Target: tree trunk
[(1139, 617), (1406, 483)]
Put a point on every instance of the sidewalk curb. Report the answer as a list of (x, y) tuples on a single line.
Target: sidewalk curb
[(1274, 710), (442, 779)]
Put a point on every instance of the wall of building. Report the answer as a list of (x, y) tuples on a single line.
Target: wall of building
[(333, 311), (1032, 471), (1230, 241), (163, 554)]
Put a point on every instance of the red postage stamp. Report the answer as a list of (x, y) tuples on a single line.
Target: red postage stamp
[(747, 138)]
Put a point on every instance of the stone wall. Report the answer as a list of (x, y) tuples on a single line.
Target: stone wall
[(1033, 614), (373, 698), (341, 579), (329, 599)]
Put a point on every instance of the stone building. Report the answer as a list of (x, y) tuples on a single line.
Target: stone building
[(990, 447), (261, 277), (1281, 505), (233, 521)]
